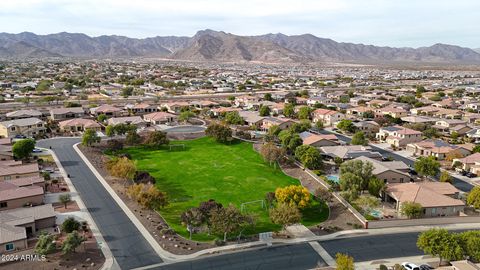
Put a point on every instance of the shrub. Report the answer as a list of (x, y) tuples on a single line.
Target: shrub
[(70, 224)]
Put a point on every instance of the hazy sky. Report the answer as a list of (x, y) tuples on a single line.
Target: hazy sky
[(397, 23)]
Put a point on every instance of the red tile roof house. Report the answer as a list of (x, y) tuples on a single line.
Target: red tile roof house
[(142, 108), (79, 125), (59, 114), (106, 109), (470, 163), (13, 196), (9, 171), (17, 225), (158, 118), (436, 148), (398, 136), (327, 117), (319, 140), (129, 120), (436, 198)]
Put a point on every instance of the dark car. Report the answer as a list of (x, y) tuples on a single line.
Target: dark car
[(19, 136), (464, 173), (470, 175), (426, 267), (412, 172)]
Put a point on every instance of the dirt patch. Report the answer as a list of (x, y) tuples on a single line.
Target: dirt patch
[(71, 207), (152, 221)]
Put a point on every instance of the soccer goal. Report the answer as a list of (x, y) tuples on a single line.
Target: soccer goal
[(176, 147), (252, 205)]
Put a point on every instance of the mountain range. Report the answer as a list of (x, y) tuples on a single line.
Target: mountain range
[(209, 45)]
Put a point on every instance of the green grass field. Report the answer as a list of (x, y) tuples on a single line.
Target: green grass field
[(209, 170)]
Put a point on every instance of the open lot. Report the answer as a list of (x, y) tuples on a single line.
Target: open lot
[(206, 170)]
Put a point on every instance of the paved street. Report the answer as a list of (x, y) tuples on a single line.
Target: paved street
[(458, 183), (300, 256), (127, 244)]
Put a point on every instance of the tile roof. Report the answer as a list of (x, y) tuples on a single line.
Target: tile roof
[(428, 194)]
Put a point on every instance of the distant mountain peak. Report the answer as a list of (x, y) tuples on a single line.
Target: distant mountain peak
[(211, 45)]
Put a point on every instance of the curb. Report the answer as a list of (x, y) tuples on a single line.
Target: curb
[(110, 262)]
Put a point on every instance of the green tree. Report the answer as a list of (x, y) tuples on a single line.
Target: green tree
[(440, 243), (290, 140), (346, 125), (186, 115), (359, 139), (45, 244), (267, 97), (309, 156), (289, 110), (367, 202), (470, 243), (355, 175), (133, 138), (110, 131), (476, 148), (220, 133), (411, 209), (233, 118), (431, 132), (319, 125), (304, 112), (156, 139), (285, 215), (271, 153), (101, 118), (90, 137), (228, 220), (71, 242), (70, 224), (65, 199), (264, 111), (375, 186), (427, 166), (23, 149), (473, 197), (445, 177), (344, 262)]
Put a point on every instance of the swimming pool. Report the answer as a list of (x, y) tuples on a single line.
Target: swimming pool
[(376, 213), (333, 178)]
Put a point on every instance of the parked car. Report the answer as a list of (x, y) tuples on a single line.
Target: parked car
[(36, 150), (19, 136), (410, 266), (412, 172), (470, 175), (49, 170), (464, 173), (426, 267)]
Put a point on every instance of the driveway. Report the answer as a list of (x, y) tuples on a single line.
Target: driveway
[(127, 244)]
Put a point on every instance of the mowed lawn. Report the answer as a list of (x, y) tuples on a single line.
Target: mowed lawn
[(206, 170)]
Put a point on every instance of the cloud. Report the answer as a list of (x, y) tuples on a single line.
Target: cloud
[(381, 22)]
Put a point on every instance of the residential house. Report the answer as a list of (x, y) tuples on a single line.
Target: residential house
[(6, 152), (398, 136), (469, 163), (437, 148), (282, 123), (11, 170), (438, 199), (327, 117), (319, 140), (79, 125), (20, 114), (252, 118), (368, 127), (106, 109), (60, 114), (128, 120), (395, 112), (346, 152), (445, 125), (158, 118), (17, 225), (142, 108), (175, 107), (13, 196), (388, 171), (29, 127)]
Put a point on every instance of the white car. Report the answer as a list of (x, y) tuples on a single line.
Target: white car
[(410, 266)]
